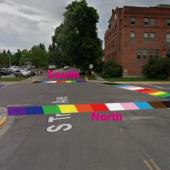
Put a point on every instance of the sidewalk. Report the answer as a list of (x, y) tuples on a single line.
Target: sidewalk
[(28, 80), (99, 79)]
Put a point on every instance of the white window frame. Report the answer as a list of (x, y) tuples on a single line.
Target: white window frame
[(132, 19), (132, 34), (152, 37), (146, 20), (168, 22), (168, 37), (146, 37)]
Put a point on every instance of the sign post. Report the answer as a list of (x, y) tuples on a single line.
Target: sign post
[(90, 67)]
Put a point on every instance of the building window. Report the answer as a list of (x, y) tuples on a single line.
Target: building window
[(146, 21), (149, 37), (168, 22), (154, 53), (152, 21), (132, 20), (151, 53), (168, 37), (168, 53), (115, 16), (149, 21), (132, 35), (152, 35), (145, 53), (139, 54), (146, 35)]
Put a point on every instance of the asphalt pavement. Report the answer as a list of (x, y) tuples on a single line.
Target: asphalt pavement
[(75, 142)]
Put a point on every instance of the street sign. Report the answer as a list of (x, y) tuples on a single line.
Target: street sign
[(90, 66)]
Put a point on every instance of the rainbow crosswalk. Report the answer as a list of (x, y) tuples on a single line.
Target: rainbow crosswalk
[(63, 81), (84, 108), (149, 91)]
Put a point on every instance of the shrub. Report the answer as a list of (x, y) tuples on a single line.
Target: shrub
[(112, 69), (99, 66), (157, 68)]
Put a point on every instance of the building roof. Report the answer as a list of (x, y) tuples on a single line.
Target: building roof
[(163, 5)]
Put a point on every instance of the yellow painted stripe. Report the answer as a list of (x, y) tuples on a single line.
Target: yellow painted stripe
[(68, 108), (3, 120), (148, 165), (157, 93), (151, 164), (156, 167)]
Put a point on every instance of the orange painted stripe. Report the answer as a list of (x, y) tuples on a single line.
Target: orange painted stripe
[(84, 108)]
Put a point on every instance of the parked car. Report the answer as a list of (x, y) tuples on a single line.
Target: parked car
[(5, 71), (66, 67), (32, 73), (17, 73), (51, 67), (14, 68), (24, 73)]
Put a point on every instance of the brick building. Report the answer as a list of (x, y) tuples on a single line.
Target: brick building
[(136, 34)]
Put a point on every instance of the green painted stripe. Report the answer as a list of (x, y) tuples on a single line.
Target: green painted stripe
[(51, 109), (165, 95)]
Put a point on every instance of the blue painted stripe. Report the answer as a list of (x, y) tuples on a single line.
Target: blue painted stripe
[(143, 105)]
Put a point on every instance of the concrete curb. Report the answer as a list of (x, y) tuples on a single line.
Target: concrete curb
[(136, 82), (37, 79), (6, 83), (3, 116)]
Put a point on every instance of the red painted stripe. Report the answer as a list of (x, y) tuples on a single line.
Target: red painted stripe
[(147, 91), (99, 107)]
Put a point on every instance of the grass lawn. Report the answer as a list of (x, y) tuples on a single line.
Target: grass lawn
[(91, 77), (12, 79), (134, 79)]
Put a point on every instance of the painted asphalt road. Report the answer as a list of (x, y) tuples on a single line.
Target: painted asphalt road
[(86, 145), (163, 87)]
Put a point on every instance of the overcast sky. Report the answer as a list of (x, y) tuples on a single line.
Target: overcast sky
[(24, 23)]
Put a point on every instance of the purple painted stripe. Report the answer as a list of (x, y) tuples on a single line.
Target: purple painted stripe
[(17, 111)]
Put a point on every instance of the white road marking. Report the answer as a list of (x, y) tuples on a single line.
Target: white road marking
[(62, 99), (58, 117), (159, 87), (64, 126)]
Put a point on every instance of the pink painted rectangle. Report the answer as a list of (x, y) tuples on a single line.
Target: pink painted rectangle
[(129, 106), (63, 74)]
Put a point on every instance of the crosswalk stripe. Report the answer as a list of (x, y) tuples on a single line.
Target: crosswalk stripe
[(83, 108)]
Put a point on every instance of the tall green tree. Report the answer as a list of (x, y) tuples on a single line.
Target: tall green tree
[(57, 53), (25, 57), (16, 57), (77, 37), (39, 56), (4, 58)]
